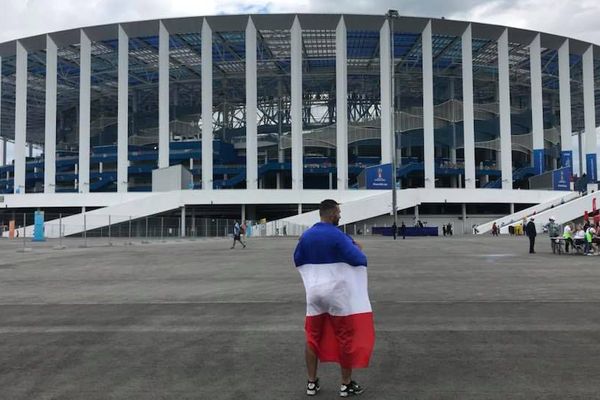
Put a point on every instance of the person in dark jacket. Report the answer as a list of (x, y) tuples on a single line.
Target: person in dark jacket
[(531, 233), (394, 230)]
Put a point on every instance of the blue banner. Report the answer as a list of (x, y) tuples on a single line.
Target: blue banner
[(38, 227), (561, 179), (538, 161), (590, 163), (379, 176), (566, 159)]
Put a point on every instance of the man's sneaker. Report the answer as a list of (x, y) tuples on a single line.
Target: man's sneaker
[(312, 387), (351, 389)]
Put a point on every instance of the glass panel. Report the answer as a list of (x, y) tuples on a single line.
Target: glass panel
[(448, 117), (273, 114), (364, 102), (7, 121), (36, 101), (319, 109), (104, 113), (408, 94), (67, 115), (486, 109), (185, 102), (520, 114), (143, 112), (229, 109)]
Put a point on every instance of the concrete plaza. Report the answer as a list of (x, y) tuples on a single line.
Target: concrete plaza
[(456, 318)]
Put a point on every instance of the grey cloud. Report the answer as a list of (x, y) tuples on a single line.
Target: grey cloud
[(20, 18)]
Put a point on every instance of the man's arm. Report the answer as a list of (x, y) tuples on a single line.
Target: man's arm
[(351, 251)]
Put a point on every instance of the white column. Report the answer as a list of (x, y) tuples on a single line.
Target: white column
[(85, 82), (3, 154), (469, 124), (564, 82), (504, 99), (589, 112), (20, 118), (429, 149), (50, 128), (296, 106), (385, 68), (537, 109), (207, 108), (123, 112), (163, 96), (341, 74), (251, 128)]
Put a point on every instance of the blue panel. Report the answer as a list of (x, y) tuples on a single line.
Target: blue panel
[(561, 179), (38, 227), (566, 159), (590, 163), (379, 176), (538, 161)]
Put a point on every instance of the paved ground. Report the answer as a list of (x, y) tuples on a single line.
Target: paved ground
[(456, 318)]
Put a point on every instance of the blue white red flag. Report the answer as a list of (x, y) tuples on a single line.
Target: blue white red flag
[(339, 319)]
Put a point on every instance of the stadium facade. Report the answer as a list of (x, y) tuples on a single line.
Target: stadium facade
[(297, 106)]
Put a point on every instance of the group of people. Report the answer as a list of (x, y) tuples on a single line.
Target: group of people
[(575, 236), (447, 230), (584, 236)]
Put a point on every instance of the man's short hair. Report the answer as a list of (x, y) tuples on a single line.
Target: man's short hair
[(327, 207)]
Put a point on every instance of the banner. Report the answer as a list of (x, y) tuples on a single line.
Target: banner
[(566, 159), (379, 176), (561, 179), (538, 161), (590, 164)]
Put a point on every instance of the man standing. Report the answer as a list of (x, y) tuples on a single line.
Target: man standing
[(553, 232), (394, 230), (339, 319), (237, 235), (403, 230), (531, 233)]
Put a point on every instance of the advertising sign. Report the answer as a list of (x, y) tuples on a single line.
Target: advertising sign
[(561, 179), (379, 177)]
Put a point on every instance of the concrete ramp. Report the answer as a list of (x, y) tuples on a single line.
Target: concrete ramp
[(351, 211), (562, 213), (560, 198), (154, 203)]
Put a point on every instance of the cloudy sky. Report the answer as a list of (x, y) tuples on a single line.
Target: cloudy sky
[(574, 18)]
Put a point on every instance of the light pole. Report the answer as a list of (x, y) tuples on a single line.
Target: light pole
[(391, 15)]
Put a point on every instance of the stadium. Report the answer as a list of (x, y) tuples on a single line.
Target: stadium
[(471, 121)]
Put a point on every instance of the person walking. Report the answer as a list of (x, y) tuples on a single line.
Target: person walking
[(394, 230), (237, 235), (531, 233), (495, 229), (403, 230), (339, 319)]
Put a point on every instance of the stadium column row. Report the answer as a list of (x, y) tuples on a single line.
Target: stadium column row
[(387, 120)]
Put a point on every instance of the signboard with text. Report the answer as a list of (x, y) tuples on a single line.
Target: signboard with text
[(379, 177)]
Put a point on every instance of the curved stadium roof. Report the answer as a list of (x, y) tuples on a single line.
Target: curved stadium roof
[(273, 53)]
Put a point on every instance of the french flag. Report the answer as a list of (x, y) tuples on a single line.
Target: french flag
[(339, 319)]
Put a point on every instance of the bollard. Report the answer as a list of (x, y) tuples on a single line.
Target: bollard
[(84, 230), (60, 230)]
